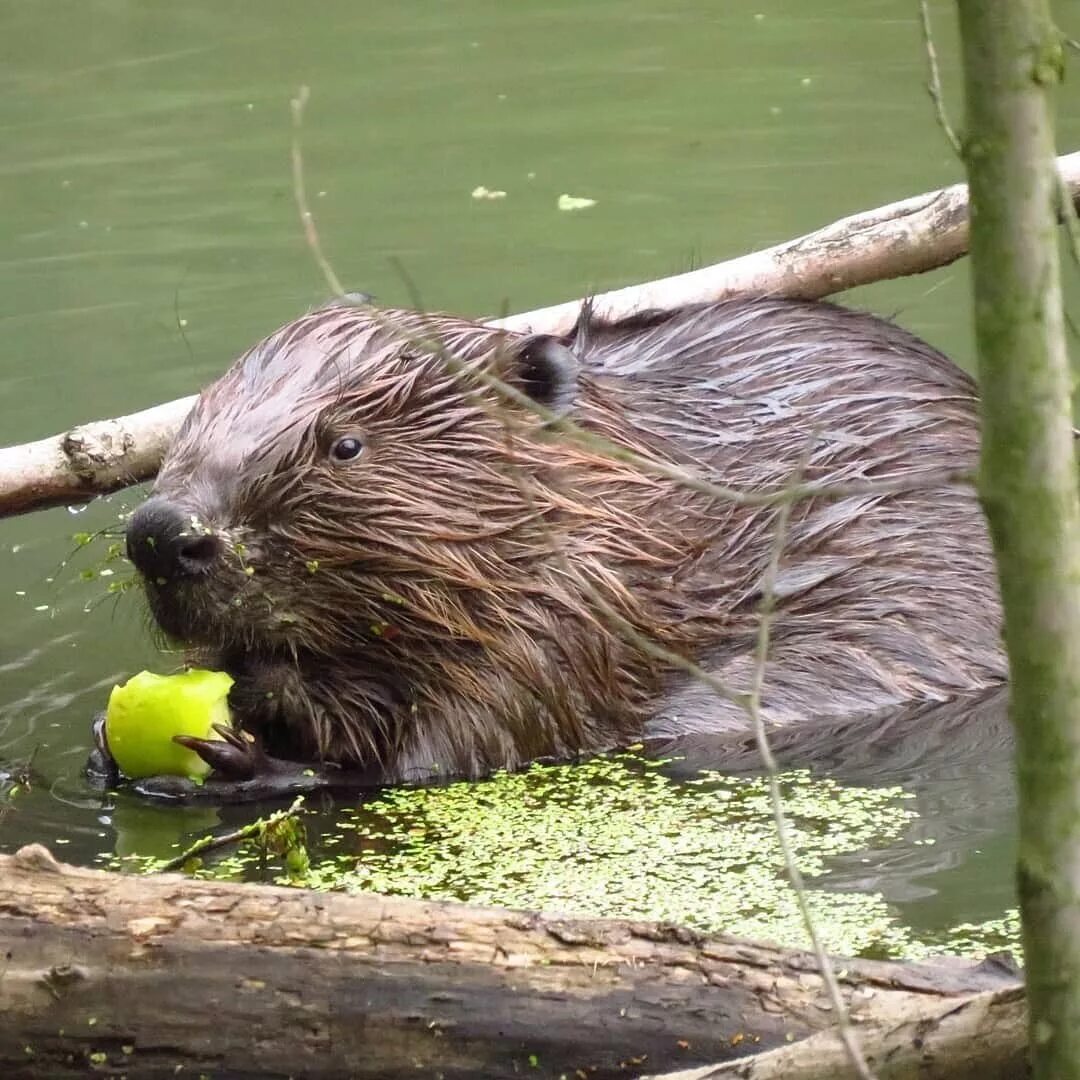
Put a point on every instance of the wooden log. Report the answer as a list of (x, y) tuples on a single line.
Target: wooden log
[(907, 237), (164, 976), (982, 1037)]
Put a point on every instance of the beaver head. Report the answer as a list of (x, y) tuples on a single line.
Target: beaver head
[(360, 527)]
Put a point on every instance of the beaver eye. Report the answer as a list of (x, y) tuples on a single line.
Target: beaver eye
[(346, 448)]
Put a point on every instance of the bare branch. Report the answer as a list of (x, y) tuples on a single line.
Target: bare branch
[(209, 843), (1013, 65), (933, 85), (908, 237), (783, 833), (307, 219)]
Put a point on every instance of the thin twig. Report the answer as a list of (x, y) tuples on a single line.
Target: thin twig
[(307, 219), (751, 703), (214, 843), (1069, 218), (933, 85), (767, 611), (784, 498)]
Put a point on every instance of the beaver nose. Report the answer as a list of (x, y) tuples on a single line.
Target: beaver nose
[(165, 542)]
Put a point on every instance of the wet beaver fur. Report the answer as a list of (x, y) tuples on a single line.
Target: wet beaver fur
[(360, 530)]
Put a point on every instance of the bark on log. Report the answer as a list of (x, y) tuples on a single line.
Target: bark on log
[(89, 460), (113, 974), (982, 1037), (907, 237)]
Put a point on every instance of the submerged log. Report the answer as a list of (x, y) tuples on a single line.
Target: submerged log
[(907, 237), (164, 976)]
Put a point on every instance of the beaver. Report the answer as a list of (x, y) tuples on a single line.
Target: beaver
[(374, 522)]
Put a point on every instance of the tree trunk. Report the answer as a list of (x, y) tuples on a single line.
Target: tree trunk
[(908, 237), (140, 976), (1013, 57)]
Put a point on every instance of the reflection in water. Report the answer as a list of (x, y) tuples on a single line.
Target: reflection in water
[(955, 759)]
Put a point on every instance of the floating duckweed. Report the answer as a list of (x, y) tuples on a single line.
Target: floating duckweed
[(574, 202), (994, 935), (617, 837)]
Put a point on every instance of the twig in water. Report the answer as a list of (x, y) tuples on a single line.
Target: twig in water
[(933, 85), (21, 779), (247, 832), (307, 219)]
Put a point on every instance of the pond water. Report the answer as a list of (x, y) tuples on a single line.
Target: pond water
[(149, 235)]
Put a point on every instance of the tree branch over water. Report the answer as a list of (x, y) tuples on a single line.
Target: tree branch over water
[(907, 237)]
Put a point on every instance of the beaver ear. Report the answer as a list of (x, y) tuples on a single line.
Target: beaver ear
[(545, 369)]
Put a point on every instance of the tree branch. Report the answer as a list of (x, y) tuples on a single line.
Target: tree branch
[(907, 237)]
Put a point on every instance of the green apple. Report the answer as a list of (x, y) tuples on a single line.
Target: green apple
[(148, 710)]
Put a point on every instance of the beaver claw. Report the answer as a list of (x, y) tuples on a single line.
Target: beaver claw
[(101, 768), (235, 755)]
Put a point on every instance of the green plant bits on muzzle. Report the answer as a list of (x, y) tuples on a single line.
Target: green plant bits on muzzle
[(148, 710)]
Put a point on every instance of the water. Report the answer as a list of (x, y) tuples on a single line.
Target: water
[(149, 234)]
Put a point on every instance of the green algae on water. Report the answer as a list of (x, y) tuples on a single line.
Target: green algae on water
[(616, 837)]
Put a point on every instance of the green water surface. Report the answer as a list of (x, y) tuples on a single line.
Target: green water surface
[(148, 234)]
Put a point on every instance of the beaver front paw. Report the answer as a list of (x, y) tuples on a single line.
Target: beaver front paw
[(278, 784), (242, 770), (235, 755)]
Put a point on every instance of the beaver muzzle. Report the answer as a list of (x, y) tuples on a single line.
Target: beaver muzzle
[(167, 544)]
